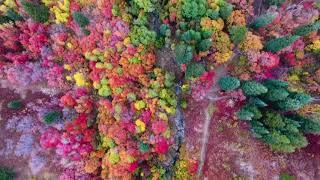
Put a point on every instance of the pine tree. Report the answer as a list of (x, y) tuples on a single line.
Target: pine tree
[(276, 45), (275, 94), (229, 83), (289, 104), (273, 120), (252, 88), (275, 83), (80, 19), (38, 12), (307, 125), (303, 98), (245, 114), (306, 29), (263, 20)]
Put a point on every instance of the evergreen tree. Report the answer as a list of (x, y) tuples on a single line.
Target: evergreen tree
[(273, 120), (80, 19), (307, 125), (15, 104), (275, 83), (38, 12), (276, 45), (52, 116), (275, 94), (228, 83), (306, 29), (263, 20), (289, 104), (252, 88)]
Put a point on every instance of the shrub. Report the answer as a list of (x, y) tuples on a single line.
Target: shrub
[(15, 104), (38, 12), (263, 20), (276, 45)]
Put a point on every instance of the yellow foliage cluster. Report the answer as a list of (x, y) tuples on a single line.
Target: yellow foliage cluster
[(222, 44), (209, 24), (237, 17), (8, 4), (314, 47), (252, 42)]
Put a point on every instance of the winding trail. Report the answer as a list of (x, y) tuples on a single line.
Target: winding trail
[(209, 112)]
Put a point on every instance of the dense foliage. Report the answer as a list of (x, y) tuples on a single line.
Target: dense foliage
[(271, 110), (126, 70)]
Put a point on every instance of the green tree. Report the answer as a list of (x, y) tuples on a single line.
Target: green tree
[(80, 19), (275, 83), (146, 5), (307, 125), (194, 70), (193, 9), (289, 104), (263, 20), (225, 9), (252, 88), (276, 45), (142, 35), (238, 34), (228, 83), (52, 116), (184, 53), (15, 104), (38, 12), (307, 29), (276, 94), (273, 120), (204, 45), (6, 173)]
